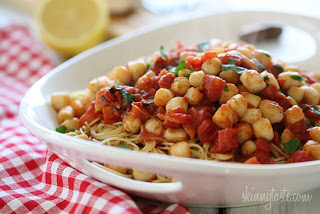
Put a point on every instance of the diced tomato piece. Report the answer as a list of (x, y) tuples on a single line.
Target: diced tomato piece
[(281, 81), (191, 129), (275, 67), (263, 145), (199, 114), (278, 127), (227, 141), (299, 156), (166, 80), (310, 113), (178, 115), (252, 160), (157, 65), (100, 102), (208, 55), (180, 118), (299, 127), (224, 57), (275, 139), (110, 115), (213, 87), (262, 157), (167, 123), (140, 111), (195, 62), (272, 93), (90, 115), (207, 131), (310, 79)]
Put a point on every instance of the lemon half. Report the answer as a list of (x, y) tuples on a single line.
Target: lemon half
[(72, 26)]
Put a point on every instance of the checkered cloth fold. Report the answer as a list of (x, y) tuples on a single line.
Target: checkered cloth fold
[(33, 179)]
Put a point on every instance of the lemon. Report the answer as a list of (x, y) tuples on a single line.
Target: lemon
[(72, 26)]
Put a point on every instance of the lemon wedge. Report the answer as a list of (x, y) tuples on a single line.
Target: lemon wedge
[(72, 26)]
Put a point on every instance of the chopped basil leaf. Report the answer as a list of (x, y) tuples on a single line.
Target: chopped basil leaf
[(175, 70), (163, 53), (187, 75), (299, 78), (304, 108), (118, 82), (258, 63), (291, 146), (312, 123), (225, 88), (269, 142), (203, 46), (126, 114), (62, 129), (104, 99), (127, 98), (278, 68), (148, 64), (265, 79), (72, 130), (191, 68), (182, 65), (151, 97), (316, 110), (123, 145), (232, 66)]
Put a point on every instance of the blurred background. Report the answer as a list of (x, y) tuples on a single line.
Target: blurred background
[(66, 28)]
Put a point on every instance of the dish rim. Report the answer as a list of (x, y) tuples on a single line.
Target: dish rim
[(50, 135)]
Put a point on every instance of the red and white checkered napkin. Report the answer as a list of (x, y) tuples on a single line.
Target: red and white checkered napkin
[(33, 179)]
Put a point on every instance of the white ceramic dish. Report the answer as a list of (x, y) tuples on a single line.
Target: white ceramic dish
[(201, 182)]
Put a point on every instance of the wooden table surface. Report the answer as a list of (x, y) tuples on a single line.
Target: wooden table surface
[(21, 10)]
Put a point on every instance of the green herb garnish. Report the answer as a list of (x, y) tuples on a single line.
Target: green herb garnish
[(232, 66), (304, 108), (299, 78), (123, 145), (62, 129), (163, 53), (312, 123), (316, 110), (127, 98), (175, 70), (278, 68), (104, 99), (291, 146), (225, 88), (118, 82), (191, 68), (182, 65), (258, 63), (148, 64), (72, 130), (203, 46), (265, 80), (126, 114), (187, 75)]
